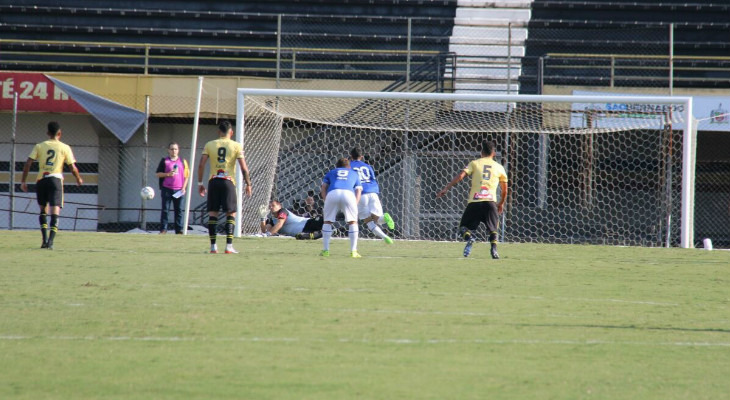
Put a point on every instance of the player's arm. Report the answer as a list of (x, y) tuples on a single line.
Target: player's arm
[(201, 171), (503, 188), (26, 169), (323, 190), (358, 193), (75, 173), (246, 175), (458, 178), (275, 229)]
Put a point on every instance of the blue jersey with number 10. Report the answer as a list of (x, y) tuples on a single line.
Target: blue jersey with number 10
[(342, 178), (367, 176)]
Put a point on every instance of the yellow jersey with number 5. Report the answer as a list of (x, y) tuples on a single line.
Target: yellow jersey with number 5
[(222, 155), (51, 155), (485, 177)]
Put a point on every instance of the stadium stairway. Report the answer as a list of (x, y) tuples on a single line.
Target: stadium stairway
[(488, 41)]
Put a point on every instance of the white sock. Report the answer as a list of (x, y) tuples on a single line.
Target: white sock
[(381, 220), (352, 234), (326, 236), (376, 230)]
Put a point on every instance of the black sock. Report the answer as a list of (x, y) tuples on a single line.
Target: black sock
[(230, 225), (43, 221), (54, 228), (212, 227), (465, 233), (493, 238)]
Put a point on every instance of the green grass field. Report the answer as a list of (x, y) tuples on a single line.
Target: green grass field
[(122, 316)]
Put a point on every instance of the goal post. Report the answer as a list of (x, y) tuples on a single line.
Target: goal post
[(582, 169)]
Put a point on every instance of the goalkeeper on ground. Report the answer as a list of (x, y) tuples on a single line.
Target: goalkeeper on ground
[(284, 222)]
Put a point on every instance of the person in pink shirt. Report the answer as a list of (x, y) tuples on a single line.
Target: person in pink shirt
[(173, 172)]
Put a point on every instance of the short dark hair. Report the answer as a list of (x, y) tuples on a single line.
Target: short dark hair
[(224, 126), (487, 147), (355, 153), (343, 163), (53, 128)]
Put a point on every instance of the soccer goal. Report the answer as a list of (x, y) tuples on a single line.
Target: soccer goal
[(582, 169)]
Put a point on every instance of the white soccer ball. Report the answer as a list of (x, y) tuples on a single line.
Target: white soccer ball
[(147, 193)]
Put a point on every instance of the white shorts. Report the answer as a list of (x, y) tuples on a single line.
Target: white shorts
[(369, 205), (340, 200)]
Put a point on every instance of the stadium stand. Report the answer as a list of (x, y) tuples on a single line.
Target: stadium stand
[(625, 28), (244, 34)]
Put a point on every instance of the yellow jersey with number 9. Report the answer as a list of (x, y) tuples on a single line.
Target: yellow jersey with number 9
[(485, 177), (222, 155), (51, 155)]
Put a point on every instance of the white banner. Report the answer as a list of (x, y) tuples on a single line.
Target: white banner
[(711, 112)]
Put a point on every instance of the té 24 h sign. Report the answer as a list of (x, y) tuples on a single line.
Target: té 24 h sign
[(35, 93)]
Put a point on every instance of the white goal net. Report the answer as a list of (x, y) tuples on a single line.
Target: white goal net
[(603, 170)]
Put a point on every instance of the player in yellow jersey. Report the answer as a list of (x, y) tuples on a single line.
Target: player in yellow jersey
[(486, 176), (223, 154), (51, 154)]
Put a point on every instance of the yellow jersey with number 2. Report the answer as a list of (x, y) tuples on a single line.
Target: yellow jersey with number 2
[(222, 155), (485, 177), (51, 155)]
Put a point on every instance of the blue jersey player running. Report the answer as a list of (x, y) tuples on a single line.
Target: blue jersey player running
[(340, 190), (369, 209)]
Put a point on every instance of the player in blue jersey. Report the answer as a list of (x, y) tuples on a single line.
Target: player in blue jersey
[(341, 189), (369, 209), (284, 222)]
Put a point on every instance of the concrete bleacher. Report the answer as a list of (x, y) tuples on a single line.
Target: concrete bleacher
[(240, 29), (622, 27)]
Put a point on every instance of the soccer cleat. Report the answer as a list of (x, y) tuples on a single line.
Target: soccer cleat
[(49, 246), (388, 240), (355, 254), (467, 248), (389, 221), (299, 236), (44, 245), (324, 253), (231, 250), (494, 253), (213, 249)]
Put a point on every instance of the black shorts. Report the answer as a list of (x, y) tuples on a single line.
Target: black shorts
[(49, 191), (313, 225), (221, 195), (480, 211)]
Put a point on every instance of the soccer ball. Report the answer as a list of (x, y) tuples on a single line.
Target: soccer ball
[(147, 193)]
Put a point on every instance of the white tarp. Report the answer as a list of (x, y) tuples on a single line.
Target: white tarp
[(121, 120)]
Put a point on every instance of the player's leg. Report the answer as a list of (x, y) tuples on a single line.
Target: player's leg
[(387, 220), (312, 229), (165, 199), (230, 208), (41, 196), (330, 214), (177, 207), (492, 222), (349, 208), (214, 204), (55, 203), (369, 210), (469, 222)]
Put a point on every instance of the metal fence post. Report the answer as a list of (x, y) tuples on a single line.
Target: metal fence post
[(11, 221), (671, 59), (278, 50), (408, 60)]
